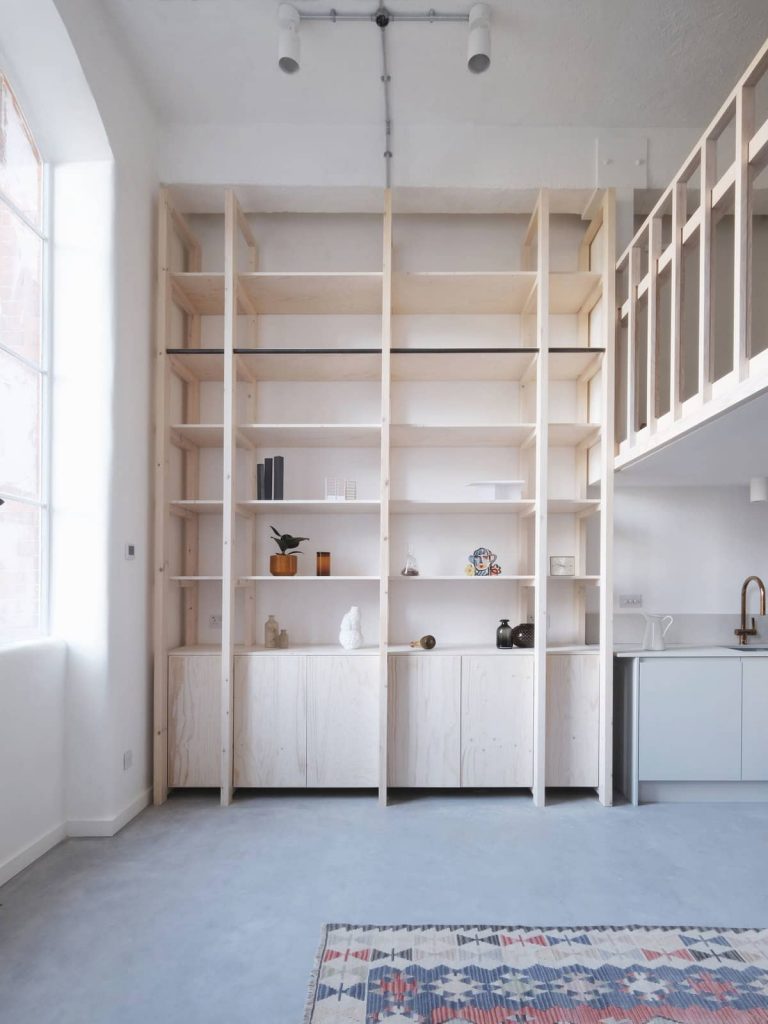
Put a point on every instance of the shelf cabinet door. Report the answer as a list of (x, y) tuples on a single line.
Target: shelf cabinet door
[(194, 720), (270, 721), (424, 720), (496, 720), (754, 718), (343, 721), (573, 720), (690, 719)]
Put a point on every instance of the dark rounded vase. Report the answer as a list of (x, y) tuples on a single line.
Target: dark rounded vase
[(504, 635), (523, 635)]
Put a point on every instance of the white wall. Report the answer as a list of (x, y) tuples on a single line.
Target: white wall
[(32, 815), (688, 550)]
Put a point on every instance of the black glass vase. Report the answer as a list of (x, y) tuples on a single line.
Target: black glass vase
[(504, 635)]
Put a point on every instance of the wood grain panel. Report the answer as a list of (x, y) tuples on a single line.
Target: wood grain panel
[(573, 719), (270, 721), (424, 720), (342, 721), (496, 721), (194, 722)]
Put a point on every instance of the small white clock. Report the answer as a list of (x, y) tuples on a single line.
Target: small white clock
[(562, 565)]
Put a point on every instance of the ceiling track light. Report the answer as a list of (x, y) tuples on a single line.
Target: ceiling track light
[(478, 45)]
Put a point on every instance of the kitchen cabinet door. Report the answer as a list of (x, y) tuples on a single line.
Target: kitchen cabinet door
[(573, 720), (690, 719), (754, 749), (343, 721), (194, 720), (497, 720), (424, 720), (270, 720)]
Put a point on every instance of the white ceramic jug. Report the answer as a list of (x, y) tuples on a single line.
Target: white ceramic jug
[(656, 627)]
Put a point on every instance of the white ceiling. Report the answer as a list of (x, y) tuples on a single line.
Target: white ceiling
[(617, 64), (725, 452)]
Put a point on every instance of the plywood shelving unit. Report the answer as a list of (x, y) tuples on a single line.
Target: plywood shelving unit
[(330, 339)]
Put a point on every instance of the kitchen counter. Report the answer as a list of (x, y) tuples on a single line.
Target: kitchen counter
[(627, 651)]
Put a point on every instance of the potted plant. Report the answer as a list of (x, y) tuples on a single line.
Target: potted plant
[(285, 564)]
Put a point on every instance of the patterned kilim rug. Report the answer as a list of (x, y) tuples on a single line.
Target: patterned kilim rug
[(495, 975)]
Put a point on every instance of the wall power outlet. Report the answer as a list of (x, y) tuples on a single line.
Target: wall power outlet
[(630, 600), (127, 760), (214, 622)]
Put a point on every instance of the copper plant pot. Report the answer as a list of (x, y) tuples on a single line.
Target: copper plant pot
[(283, 565)]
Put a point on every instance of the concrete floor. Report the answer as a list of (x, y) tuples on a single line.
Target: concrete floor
[(196, 914)]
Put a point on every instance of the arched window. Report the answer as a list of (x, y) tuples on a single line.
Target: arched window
[(23, 377)]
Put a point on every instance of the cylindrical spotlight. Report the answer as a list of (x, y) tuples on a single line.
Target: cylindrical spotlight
[(758, 488), (479, 43), (288, 40)]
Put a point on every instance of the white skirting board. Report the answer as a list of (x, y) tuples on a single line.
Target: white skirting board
[(106, 827), (30, 853), (94, 828)]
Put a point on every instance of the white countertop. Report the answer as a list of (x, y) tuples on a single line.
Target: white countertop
[(675, 651)]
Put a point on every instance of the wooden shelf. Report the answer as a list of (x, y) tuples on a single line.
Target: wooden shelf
[(448, 507), (573, 579), (200, 506), (309, 506), (245, 580), (462, 292), (199, 293), (461, 578), (336, 364), (463, 364), (574, 363), (313, 293), (191, 581), (568, 292), (201, 435), (569, 434), (201, 364), (313, 435), (449, 435), (576, 506)]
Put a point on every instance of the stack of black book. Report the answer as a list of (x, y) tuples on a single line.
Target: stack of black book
[(269, 479)]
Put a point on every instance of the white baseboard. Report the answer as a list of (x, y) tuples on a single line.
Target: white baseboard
[(106, 827), (30, 853)]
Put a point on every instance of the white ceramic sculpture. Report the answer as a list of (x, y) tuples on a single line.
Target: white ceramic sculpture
[(350, 634)]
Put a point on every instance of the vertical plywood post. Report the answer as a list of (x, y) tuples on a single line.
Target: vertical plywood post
[(540, 538), (745, 124), (161, 586), (633, 273), (676, 297), (652, 383), (707, 171), (229, 495), (384, 552), (605, 756)]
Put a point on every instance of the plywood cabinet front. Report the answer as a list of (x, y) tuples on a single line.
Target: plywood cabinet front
[(573, 719), (424, 720), (342, 721), (270, 721), (497, 720), (194, 716)]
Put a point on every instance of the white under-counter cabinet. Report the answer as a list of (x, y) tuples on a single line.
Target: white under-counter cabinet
[(754, 716), (692, 727), (194, 720), (690, 719)]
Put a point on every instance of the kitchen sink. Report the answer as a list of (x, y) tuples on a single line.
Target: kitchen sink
[(746, 647)]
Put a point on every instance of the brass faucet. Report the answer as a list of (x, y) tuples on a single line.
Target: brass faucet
[(743, 632)]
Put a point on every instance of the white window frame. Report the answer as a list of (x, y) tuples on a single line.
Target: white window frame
[(43, 232)]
